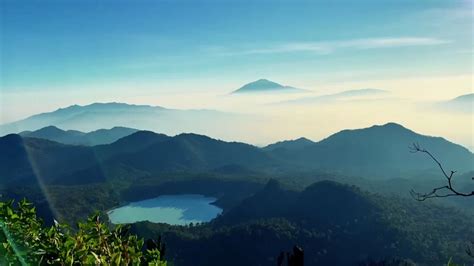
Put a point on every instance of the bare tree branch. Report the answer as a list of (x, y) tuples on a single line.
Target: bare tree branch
[(470, 250), (440, 192), (443, 191)]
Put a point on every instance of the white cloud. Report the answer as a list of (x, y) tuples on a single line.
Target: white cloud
[(391, 42), (328, 47)]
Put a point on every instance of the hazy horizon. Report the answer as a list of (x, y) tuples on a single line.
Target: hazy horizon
[(264, 129)]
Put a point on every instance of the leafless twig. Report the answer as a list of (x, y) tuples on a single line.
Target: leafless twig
[(440, 192), (470, 250)]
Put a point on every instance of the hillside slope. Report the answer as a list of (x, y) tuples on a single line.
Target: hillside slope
[(378, 151), (334, 223)]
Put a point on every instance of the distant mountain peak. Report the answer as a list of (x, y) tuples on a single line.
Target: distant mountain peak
[(51, 129), (265, 85), (463, 103), (465, 97), (103, 105), (265, 81), (392, 125), (141, 135), (303, 139), (144, 133), (290, 144), (12, 138), (118, 104)]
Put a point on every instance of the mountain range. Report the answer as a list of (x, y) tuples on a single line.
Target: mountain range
[(378, 151), (108, 115), (101, 136)]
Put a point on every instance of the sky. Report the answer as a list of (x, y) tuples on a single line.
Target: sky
[(189, 54)]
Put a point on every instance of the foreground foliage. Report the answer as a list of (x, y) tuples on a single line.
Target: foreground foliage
[(25, 240)]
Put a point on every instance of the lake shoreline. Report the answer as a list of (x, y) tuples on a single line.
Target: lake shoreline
[(173, 209)]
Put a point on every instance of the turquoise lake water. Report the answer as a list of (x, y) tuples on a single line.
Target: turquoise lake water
[(170, 209)]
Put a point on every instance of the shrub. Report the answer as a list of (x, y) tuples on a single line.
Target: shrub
[(24, 239)]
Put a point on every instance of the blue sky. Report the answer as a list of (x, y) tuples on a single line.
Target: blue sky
[(53, 44)]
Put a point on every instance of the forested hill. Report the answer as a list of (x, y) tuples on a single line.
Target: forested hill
[(144, 153), (380, 151)]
